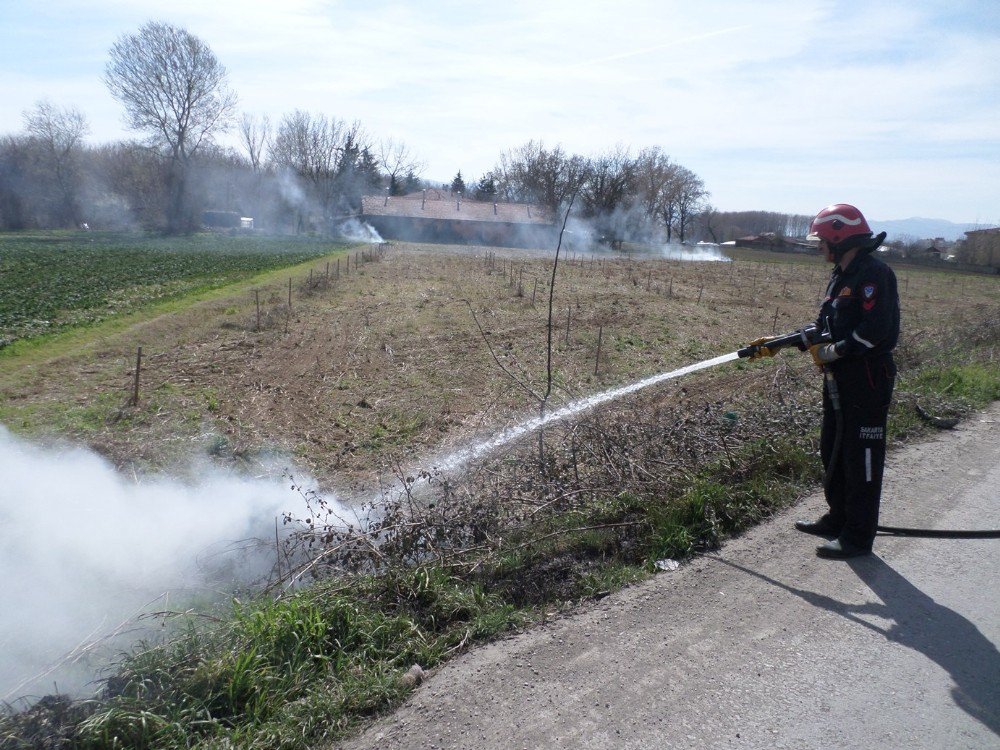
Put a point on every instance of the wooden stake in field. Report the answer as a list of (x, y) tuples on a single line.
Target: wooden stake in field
[(135, 382), (597, 359), (256, 297), (289, 293), (774, 323)]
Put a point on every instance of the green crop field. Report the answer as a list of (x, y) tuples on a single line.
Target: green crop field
[(52, 280)]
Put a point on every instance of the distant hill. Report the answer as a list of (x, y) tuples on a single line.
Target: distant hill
[(919, 228)]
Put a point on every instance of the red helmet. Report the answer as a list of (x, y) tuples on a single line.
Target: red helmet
[(838, 222)]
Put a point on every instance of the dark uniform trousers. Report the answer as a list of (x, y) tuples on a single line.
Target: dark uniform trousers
[(855, 480)]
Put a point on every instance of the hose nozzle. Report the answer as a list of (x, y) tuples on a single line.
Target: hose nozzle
[(803, 338)]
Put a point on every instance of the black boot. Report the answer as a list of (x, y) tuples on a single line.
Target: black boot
[(823, 527), (838, 549)]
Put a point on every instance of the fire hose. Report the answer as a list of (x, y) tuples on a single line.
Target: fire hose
[(803, 339)]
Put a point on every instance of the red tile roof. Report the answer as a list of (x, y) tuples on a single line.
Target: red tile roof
[(439, 204)]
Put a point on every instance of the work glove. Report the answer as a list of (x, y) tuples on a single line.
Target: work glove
[(824, 354), (762, 351)]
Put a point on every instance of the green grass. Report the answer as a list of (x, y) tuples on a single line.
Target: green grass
[(976, 383), (50, 282), (943, 390), (291, 672)]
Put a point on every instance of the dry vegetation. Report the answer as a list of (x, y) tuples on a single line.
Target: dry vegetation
[(373, 373), (386, 364)]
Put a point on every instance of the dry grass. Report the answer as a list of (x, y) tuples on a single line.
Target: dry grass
[(385, 363)]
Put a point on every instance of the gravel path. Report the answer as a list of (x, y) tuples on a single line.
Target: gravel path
[(762, 645)]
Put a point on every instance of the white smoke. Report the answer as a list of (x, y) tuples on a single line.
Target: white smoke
[(701, 251), (83, 548), (354, 230), (290, 190)]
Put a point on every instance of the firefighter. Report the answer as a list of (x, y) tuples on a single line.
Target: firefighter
[(861, 311)]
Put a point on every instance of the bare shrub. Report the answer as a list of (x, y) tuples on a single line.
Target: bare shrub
[(597, 491)]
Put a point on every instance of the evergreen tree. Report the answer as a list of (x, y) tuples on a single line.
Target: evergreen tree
[(486, 188)]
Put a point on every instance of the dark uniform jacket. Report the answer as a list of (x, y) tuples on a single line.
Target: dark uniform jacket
[(861, 309)]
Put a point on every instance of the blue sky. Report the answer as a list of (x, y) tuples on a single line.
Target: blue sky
[(783, 106)]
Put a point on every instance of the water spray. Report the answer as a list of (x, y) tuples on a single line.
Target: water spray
[(803, 338), (460, 458)]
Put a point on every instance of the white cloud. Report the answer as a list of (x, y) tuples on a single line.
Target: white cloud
[(460, 82)]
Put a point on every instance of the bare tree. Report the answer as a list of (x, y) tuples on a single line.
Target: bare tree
[(611, 182), (731, 225), (611, 195), (174, 88), (255, 138), (398, 163), (320, 151), (655, 175), (535, 174), (59, 132), (689, 197), (135, 180)]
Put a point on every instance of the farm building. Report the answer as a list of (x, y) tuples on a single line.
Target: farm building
[(982, 247), (441, 216), (775, 242)]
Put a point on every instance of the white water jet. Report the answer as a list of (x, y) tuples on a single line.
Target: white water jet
[(458, 459)]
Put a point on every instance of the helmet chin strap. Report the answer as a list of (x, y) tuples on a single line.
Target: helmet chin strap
[(865, 246)]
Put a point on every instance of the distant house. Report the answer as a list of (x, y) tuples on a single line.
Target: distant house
[(442, 216), (982, 247), (775, 242)]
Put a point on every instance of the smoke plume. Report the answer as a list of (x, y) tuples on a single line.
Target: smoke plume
[(354, 230), (84, 549)]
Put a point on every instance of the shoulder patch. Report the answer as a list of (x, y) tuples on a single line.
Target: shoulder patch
[(845, 292), (868, 292)]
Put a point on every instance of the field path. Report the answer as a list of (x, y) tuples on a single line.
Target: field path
[(762, 645)]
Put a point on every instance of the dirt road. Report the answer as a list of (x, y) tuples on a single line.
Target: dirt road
[(762, 645)]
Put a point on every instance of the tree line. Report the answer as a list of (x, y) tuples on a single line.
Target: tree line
[(305, 172)]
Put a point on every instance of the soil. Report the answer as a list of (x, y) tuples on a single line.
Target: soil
[(761, 644)]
